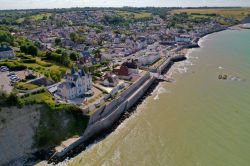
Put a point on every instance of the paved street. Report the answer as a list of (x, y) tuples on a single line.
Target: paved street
[(5, 82)]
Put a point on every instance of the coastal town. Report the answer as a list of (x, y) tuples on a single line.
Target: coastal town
[(98, 60)]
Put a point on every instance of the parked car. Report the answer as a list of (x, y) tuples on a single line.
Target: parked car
[(11, 73), (14, 77), (4, 68)]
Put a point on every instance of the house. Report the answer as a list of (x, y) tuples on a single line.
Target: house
[(76, 84), (183, 39), (110, 79), (141, 42), (122, 72), (132, 66), (148, 58), (6, 52), (86, 58)]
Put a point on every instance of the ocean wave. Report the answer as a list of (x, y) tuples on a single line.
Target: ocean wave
[(160, 91), (220, 67)]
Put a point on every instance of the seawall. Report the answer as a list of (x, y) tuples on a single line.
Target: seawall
[(105, 117)]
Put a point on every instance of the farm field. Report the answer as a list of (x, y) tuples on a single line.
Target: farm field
[(237, 13)]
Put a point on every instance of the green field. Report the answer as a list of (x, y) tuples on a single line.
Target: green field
[(237, 13), (35, 17), (134, 15)]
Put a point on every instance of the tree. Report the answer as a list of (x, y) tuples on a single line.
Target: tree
[(23, 49), (73, 36), (6, 37), (65, 60), (74, 56), (12, 99), (58, 41), (32, 50)]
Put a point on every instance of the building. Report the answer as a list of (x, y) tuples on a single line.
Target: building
[(132, 66), (77, 84), (6, 52), (123, 72), (148, 58), (183, 39), (110, 79)]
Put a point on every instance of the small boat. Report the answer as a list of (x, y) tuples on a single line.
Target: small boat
[(220, 77), (224, 77)]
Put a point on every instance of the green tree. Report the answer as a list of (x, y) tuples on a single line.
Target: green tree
[(58, 41), (65, 60), (6, 37), (74, 56), (73, 37), (12, 99)]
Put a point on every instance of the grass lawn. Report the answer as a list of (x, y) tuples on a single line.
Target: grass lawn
[(27, 86), (44, 97), (48, 69)]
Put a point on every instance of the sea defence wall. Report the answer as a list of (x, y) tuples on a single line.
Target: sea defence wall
[(105, 116), (110, 113), (170, 62)]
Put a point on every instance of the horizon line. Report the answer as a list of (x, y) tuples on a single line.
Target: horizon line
[(77, 7)]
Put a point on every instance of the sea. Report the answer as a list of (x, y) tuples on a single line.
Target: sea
[(197, 120)]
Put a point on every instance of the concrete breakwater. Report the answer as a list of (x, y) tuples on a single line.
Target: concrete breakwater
[(106, 116)]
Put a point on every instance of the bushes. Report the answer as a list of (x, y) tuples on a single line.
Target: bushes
[(6, 37), (29, 49), (10, 100), (28, 60), (60, 57), (14, 66)]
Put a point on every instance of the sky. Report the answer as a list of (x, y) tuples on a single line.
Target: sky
[(32, 4)]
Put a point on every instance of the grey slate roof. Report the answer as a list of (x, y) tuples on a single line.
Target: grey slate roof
[(5, 48)]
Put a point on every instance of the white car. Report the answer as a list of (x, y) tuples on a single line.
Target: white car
[(14, 77), (4, 68), (11, 73)]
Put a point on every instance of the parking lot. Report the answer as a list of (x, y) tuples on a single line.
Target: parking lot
[(5, 82)]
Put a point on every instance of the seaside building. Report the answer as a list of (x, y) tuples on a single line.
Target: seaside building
[(6, 52), (132, 66), (110, 79), (183, 39), (77, 84), (122, 72), (148, 58)]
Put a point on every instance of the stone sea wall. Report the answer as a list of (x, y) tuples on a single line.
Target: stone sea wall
[(107, 115)]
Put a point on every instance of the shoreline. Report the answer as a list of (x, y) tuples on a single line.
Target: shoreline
[(100, 136)]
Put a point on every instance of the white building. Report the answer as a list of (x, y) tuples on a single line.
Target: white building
[(183, 39), (110, 79), (148, 58), (77, 84), (6, 52)]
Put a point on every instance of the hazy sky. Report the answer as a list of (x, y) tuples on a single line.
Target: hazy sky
[(25, 4)]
